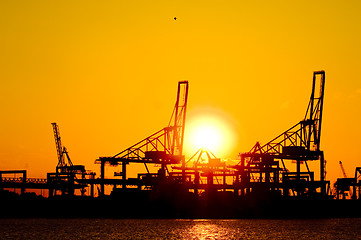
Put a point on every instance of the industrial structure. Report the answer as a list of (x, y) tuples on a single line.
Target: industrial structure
[(64, 179), (162, 148), (264, 169), (348, 186), (260, 171), (277, 170)]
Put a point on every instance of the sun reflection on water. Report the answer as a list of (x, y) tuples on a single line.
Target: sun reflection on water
[(84, 229), (206, 229)]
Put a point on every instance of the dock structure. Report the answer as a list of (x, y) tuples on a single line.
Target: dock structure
[(261, 173)]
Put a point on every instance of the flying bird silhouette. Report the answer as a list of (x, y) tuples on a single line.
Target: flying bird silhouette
[(175, 18)]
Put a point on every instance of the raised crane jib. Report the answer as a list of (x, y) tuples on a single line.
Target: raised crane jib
[(175, 129), (61, 151), (311, 124), (303, 139), (164, 146)]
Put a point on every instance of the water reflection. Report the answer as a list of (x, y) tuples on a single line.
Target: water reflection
[(179, 229), (216, 229), (205, 230)]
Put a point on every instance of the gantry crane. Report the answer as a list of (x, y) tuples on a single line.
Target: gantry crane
[(206, 168), (346, 184), (300, 143), (62, 166), (66, 173), (352, 185), (357, 186), (163, 147)]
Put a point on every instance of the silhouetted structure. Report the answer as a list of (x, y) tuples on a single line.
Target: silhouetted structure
[(66, 175), (204, 185), (260, 170), (348, 186)]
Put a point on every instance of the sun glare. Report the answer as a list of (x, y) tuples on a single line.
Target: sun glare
[(210, 130), (207, 136)]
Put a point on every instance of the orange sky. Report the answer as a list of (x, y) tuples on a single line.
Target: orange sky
[(107, 73)]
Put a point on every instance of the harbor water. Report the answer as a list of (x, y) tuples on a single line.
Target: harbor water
[(71, 229)]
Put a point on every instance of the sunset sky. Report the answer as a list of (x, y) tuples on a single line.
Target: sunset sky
[(107, 73)]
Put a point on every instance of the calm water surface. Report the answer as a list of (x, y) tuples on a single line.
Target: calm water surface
[(179, 229)]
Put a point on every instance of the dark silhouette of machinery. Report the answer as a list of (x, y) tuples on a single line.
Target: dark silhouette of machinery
[(270, 178), (65, 165), (66, 174), (261, 171), (274, 179), (343, 170), (163, 148), (259, 168), (347, 186), (207, 173)]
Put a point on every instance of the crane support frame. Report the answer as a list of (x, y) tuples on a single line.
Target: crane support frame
[(301, 142), (166, 145), (163, 147)]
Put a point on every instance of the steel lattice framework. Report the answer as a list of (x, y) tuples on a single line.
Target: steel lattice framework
[(61, 151), (164, 146), (301, 143), (306, 134)]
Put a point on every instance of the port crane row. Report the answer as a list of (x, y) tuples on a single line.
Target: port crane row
[(262, 171)]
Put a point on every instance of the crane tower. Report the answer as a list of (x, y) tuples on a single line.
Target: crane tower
[(62, 166), (163, 147), (300, 143)]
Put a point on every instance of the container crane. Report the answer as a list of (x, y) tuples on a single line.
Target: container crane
[(66, 172), (163, 147), (300, 143), (345, 184), (63, 166)]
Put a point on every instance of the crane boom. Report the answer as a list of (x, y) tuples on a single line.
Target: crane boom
[(300, 143), (307, 133), (59, 148), (164, 146), (61, 151), (176, 146), (343, 170)]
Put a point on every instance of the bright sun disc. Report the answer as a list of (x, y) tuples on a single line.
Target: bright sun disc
[(207, 136), (211, 130)]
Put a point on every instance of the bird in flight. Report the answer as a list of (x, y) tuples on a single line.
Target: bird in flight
[(175, 18)]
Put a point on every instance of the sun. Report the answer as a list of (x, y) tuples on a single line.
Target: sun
[(207, 136), (209, 129)]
